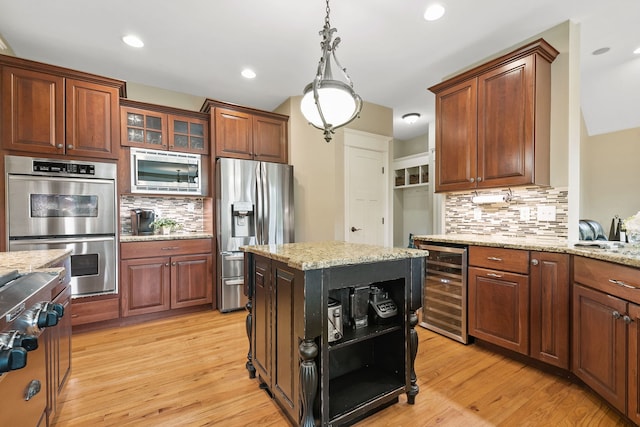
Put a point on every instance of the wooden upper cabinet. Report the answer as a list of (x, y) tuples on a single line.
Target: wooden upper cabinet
[(143, 128), (505, 125), (245, 133), (92, 122), (188, 134), (456, 133), (32, 111), (233, 137), (493, 122), (49, 110), (269, 139), (163, 128)]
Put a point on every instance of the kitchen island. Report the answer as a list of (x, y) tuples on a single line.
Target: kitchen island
[(317, 343)]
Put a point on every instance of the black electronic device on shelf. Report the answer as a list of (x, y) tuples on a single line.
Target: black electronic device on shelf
[(383, 309)]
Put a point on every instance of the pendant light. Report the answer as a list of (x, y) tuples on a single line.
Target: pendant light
[(328, 103)]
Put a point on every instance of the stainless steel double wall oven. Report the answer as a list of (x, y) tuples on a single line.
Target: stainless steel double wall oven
[(56, 204)]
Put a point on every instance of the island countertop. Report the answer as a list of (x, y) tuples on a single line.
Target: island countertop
[(26, 261), (620, 253), (316, 255)]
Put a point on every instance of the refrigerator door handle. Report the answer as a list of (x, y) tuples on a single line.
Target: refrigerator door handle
[(259, 205), (264, 216)]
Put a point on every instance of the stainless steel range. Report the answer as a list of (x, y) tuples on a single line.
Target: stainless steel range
[(63, 204), (26, 311)]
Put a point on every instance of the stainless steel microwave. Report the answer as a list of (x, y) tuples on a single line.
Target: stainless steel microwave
[(165, 172)]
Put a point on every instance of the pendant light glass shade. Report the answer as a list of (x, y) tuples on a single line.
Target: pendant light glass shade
[(329, 103), (338, 102)]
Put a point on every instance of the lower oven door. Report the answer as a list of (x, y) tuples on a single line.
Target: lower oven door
[(93, 261)]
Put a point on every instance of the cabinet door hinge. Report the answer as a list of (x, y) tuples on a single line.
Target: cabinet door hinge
[(383, 170), (383, 220)]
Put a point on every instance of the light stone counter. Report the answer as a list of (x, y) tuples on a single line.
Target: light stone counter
[(316, 255), (172, 236), (620, 253), (27, 261)]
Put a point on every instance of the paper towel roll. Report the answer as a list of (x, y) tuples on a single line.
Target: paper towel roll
[(495, 198)]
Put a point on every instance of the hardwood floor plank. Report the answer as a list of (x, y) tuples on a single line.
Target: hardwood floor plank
[(190, 371)]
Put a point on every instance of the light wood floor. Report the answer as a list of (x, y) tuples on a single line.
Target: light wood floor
[(189, 371)]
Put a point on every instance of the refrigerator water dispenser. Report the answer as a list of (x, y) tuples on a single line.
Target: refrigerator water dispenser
[(242, 224)]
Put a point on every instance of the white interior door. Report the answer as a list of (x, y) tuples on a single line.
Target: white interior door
[(366, 192)]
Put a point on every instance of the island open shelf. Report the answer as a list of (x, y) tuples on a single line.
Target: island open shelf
[(292, 289)]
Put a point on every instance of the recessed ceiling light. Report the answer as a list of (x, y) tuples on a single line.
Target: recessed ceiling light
[(601, 51), (132, 40), (248, 74), (434, 12), (411, 118), (637, 51)]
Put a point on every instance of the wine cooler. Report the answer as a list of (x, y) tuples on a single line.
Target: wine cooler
[(444, 308)]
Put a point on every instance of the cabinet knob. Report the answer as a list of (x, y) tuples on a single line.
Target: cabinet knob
[(472, 180), (166, 265), (59, 146), (616, 315), (70, 146), (479, 178), (627, 319), (173, 263), (534, 262)]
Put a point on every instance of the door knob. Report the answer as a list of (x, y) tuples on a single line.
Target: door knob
[(353, 229)]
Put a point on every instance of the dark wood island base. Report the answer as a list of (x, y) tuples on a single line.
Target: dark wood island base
[(365, 296)]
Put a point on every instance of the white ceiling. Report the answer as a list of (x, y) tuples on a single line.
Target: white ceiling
[(392, 54)]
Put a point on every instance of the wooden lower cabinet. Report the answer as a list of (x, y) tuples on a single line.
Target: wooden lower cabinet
[(58, 344), (600, 344), (499, 308), (606, 336), (144, 285), (633, 368), (159, 283), (549, 306)]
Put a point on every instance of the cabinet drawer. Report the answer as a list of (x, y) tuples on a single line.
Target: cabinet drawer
[(614, 279), (94, 311), (514, 260), (132, 250)]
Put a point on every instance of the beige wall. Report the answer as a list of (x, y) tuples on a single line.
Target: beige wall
[(154, 95), (610, 176), (318, 169)]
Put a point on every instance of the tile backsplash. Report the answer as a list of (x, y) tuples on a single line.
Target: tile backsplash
[(519, 217), (189, 212)]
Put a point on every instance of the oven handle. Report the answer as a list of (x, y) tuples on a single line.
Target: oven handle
[(61, 240)]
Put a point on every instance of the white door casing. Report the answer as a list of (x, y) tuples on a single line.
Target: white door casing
[(367, 217)]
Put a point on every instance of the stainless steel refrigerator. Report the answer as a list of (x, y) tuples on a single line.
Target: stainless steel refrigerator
[(254, 206)]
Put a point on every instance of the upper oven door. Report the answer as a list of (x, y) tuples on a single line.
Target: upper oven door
[(45, 206)]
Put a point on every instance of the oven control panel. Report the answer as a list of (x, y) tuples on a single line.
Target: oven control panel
[(64, 167)]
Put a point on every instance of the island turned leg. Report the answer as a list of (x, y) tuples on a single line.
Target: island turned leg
[(413, 348), (308, 381), (249, 325)]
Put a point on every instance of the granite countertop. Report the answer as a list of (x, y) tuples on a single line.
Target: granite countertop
[(172, 236), (617, 252), (315, 255), (27, 261)]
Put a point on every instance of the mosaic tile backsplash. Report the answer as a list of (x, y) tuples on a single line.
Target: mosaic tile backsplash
[(188, 212), (519, 217)]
